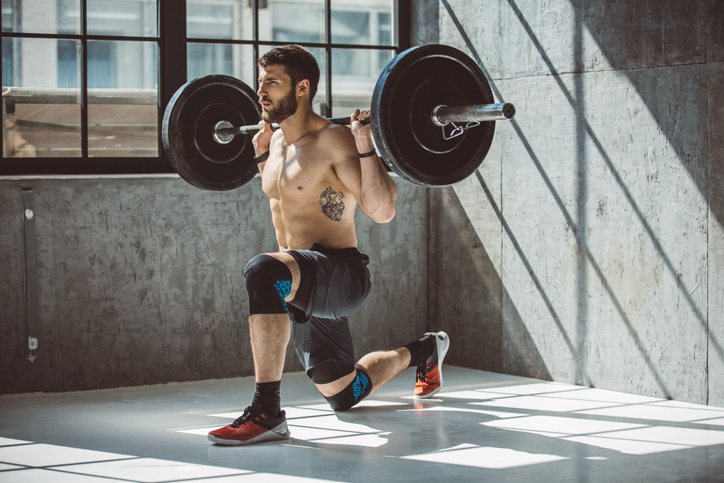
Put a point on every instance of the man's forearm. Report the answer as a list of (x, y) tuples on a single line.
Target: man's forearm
[(378, 190)]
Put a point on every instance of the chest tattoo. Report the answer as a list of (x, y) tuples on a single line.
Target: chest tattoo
[(332, 204)]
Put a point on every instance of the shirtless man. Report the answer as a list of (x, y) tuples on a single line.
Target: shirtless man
[(315, 174)]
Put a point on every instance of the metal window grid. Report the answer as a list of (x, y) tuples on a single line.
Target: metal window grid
[(172, 44)]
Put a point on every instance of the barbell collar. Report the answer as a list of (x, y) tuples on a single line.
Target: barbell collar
[(223, 132), (443, 115)]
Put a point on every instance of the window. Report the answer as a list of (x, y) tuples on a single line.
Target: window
[(85, 82), (80, 79)]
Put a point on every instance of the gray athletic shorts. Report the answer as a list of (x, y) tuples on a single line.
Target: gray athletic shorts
[(333, 284)]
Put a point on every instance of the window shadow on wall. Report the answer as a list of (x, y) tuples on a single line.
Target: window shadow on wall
[(664, 121), (473, 301), (632, 36), (585, 130)]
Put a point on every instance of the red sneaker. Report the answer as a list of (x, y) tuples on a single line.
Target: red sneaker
[(250, 428), (429, 374)]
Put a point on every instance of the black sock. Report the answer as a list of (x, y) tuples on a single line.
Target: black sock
[(267, 398), (420, 350)]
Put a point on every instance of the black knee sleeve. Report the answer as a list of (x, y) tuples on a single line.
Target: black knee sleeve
[(358, 389), (268, 282)]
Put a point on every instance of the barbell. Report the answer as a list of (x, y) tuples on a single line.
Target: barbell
[(432, 115)]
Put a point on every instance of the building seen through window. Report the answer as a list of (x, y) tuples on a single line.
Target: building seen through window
[(58, 54)]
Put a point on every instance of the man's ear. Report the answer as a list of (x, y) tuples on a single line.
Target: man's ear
[(302, 87)]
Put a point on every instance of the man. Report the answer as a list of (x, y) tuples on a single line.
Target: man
[(315, 174)]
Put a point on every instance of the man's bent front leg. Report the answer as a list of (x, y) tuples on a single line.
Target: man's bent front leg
[(269, 281), (270, 335)]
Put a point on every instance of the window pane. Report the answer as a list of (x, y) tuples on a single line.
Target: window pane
[(209, 19), (41, 16), (320, 99), (41, 98), (234, 60), (134, 18), (292, 21), (384, 29), (355, 22), (350, 27), (360, 62), (122, 99), (354, 75), (69, 16)]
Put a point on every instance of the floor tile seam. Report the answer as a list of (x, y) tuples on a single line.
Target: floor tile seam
[(19, 467), (322, 439), (26, 443), (594, 434), (603, 418), (109, 478), (610, 436), (694, 424), (182, 480), (62, 465), (347, 431), (60, 469), (640, 422), (659, 401)]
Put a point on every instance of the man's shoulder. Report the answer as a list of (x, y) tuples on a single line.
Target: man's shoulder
[(336, 137), (335, 130)]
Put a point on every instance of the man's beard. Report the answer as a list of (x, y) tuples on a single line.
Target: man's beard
[(284, 108)]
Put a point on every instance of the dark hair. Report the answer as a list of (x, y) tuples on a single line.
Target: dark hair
[(299, 63)]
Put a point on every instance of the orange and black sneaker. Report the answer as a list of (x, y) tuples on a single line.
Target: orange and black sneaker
[(429, 374), (250, 428)]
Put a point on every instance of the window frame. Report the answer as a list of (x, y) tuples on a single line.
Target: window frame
[(172, 44)]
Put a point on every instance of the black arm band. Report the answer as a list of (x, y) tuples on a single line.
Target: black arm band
[(367, 155), (261, 158)]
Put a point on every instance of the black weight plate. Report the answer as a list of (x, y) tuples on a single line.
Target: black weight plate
[(403, 85), (207, 146), (187, 132), (429, 95)]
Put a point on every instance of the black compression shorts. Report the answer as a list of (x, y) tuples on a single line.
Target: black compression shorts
[(333, 284)]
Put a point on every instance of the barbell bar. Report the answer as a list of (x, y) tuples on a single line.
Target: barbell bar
[(224, 130), (417, 103), (441, 115)]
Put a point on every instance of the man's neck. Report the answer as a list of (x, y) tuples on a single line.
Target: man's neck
[(299, 124)]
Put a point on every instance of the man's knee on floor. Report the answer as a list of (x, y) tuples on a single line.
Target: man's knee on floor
[(355, 392), (268, 283)]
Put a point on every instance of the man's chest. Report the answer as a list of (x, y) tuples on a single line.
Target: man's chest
[(294, 173)]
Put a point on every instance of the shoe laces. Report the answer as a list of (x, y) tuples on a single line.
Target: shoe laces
[(422, 372), (248, 415)]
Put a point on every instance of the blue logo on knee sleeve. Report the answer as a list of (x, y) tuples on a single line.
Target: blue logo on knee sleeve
[(360, 385), (284, 288)]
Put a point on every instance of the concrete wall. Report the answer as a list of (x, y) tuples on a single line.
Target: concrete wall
[(140, 281), (589, 247)]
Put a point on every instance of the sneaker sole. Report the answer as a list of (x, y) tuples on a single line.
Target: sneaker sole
[(277, 434), (443, 344)]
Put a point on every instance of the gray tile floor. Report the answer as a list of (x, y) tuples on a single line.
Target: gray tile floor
[(482, 427)]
